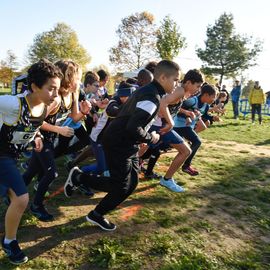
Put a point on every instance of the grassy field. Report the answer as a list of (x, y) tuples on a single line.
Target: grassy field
[(221, 222), (4, 91)]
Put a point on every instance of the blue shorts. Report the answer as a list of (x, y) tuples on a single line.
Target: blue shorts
[(10, 177), (168, 138)]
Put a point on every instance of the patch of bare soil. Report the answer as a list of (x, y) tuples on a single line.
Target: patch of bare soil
[(257, 150)]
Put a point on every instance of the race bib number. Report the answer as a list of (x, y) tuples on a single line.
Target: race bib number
[(21, 137)]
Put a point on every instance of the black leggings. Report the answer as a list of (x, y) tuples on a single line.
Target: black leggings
[(153, 155), (63, 149), (42, 164), (123, 166)]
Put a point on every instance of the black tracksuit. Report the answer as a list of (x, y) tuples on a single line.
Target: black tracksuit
[(120, 141)]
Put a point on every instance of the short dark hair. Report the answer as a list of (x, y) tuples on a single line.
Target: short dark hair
[(131, 81), (90, 78), (151, 66), (144, 73), (222, 94), (144, 77), (102, 74), (208, 89), (40, 72), (166, 67), (124, 84), (193, 75), (125, 89)]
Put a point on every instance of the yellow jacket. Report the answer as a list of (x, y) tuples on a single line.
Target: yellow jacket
[(256, 96)]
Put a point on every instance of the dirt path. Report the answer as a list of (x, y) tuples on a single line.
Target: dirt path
[(256, 150)]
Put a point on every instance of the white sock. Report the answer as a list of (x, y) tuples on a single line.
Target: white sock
[(8, 241)]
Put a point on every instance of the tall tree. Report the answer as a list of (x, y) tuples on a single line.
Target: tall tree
[(137, 42), (169, 39), (227, 53), (59, 43), (8, 68)]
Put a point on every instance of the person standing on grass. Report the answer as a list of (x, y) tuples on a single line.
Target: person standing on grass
[(191, 84), (20, 119), (43, 163), (256, 98), (188, 116), (268, 99), (235, 96), (121, 142)]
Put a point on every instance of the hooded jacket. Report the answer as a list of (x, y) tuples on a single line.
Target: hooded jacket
[(256, 96)]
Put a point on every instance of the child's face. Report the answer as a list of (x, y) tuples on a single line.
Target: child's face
[(92, 88), (123, 99), (49, 91), (169, 82), (209, 99), (192, 88)]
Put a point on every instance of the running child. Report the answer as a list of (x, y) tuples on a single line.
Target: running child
[(191, 84), (20, 119), (120, 141), (43, 163), (186, 119)]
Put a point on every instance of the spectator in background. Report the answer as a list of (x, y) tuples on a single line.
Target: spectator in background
[(235, 95), (268, 98), (256, 99)]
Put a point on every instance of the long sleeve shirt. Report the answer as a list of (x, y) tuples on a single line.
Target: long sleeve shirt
[(236, 93), (131, 125), (256, 96)]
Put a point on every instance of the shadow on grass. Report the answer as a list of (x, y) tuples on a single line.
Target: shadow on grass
[(266, 142), (238, 200), (50, 237), (238, 206)]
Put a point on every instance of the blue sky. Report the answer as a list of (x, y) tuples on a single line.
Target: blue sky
[(96, 21)]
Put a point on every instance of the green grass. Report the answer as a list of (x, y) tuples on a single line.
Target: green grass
[(4, 91), (221, 221), (241, 130), (107, 253)]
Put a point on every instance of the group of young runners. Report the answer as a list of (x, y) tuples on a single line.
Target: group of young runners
[(56, 115)]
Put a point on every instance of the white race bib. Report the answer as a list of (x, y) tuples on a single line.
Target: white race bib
[(21, 137)]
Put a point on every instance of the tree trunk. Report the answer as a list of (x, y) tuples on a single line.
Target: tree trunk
[(220, 80)]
